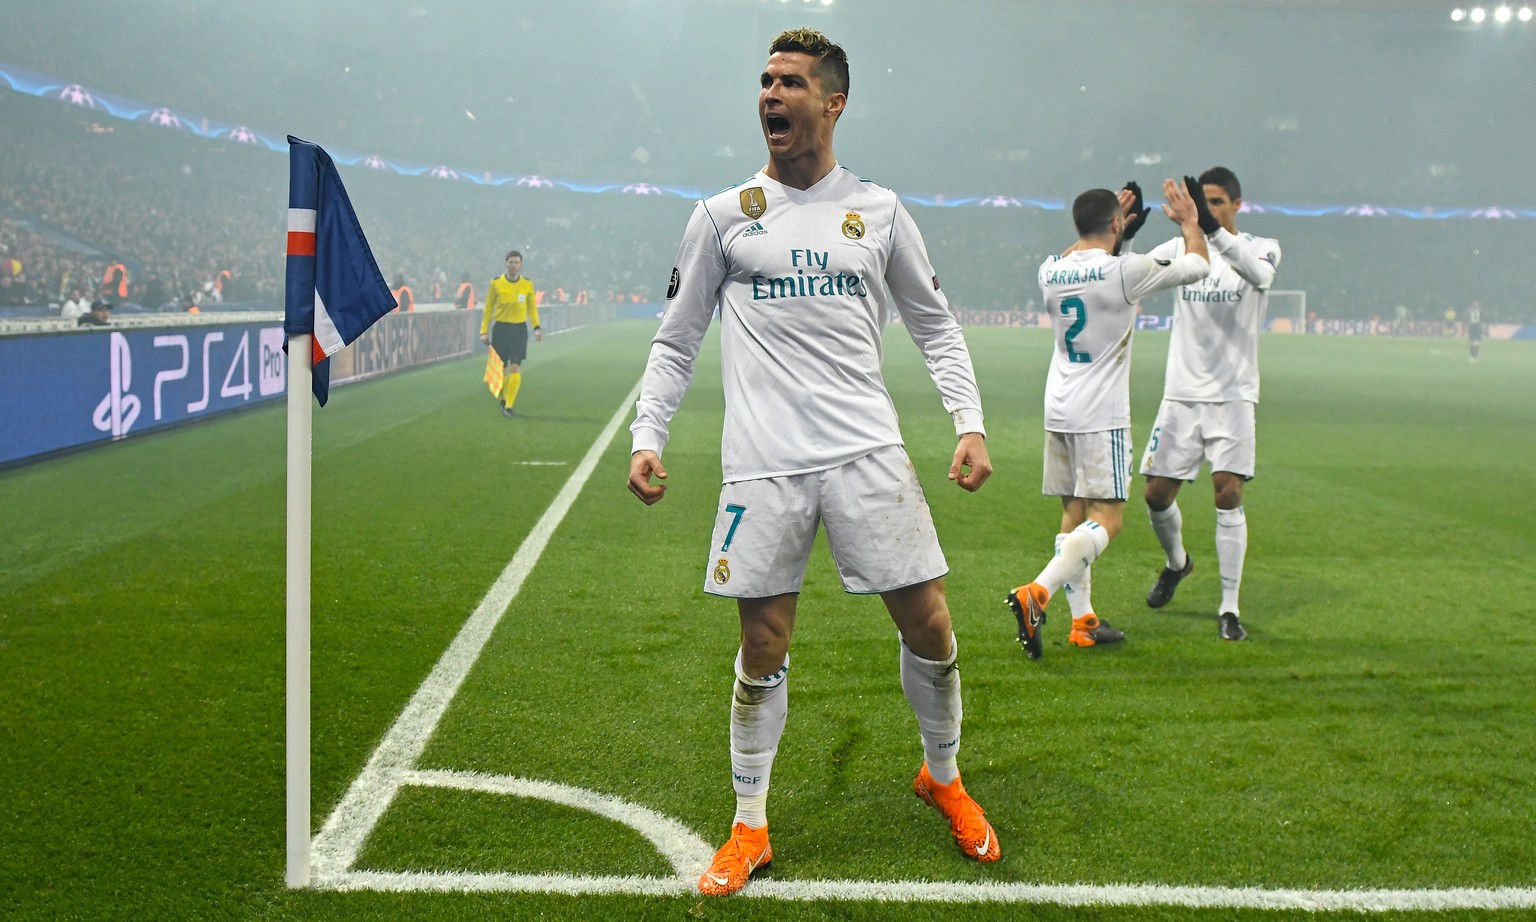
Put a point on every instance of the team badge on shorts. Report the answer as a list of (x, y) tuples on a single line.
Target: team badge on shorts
[(722, 571), (753, 204), (853, 226)]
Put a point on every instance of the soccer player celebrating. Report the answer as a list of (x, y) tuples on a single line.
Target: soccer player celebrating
[(510, 302), (798, 259), (1091, 295), (1209, 393)]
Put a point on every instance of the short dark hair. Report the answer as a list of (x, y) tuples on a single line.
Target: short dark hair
[(510, 254), (1225, 178), (832, 65), (1094, 212)]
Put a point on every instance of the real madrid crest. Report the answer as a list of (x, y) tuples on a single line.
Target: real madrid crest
[(853, 226), (753, 203), (722, 571)]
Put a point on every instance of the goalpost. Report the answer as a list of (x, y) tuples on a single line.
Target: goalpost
[(1287, 311)]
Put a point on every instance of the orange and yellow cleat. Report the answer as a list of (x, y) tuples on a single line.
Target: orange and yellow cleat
[(745, 851), (967, 821)]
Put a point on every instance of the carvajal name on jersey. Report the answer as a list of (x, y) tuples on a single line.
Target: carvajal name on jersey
[(1075, 276)]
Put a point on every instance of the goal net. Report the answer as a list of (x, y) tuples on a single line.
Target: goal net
[(1287, 311)]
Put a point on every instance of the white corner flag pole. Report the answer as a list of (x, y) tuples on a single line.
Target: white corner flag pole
[(300, 415)]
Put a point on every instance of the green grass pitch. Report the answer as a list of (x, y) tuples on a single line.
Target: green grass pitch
[(1377, 732)]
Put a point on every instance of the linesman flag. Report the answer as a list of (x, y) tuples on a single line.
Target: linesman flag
[(495, 373), (335, 289)]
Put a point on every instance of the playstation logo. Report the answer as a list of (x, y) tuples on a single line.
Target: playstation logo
[(119, 409)]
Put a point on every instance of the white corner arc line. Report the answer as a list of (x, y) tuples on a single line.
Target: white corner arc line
[(688, 854), (334, 849)]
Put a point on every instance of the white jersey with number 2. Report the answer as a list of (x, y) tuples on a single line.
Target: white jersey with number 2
[(1091, 297)]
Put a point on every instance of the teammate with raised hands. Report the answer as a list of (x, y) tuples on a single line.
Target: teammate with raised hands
[(1210, 393), (1091, 295)]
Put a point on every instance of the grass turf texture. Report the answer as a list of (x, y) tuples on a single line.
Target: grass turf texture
[(1376, 731)]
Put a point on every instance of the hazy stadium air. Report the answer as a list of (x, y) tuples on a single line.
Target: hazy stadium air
[(1312, 103)]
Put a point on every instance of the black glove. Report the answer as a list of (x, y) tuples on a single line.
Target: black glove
[(1138, 217), (1208, 223), (1138, 213)]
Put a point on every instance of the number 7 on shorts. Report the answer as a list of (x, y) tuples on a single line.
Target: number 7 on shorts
[(737, 511)]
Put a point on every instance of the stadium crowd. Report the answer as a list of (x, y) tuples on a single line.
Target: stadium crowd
[(195, 221)]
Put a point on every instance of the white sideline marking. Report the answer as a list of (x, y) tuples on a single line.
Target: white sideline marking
[(334, 850), (936, 892)]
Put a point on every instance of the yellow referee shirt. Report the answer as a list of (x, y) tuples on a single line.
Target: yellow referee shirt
[(509, 302)]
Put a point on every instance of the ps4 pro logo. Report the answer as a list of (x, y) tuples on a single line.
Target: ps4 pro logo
[(171, 359)]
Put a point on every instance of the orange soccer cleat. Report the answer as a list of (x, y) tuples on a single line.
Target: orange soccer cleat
[(967, 821), (1028, 606), (745, 851), (1089, 631)]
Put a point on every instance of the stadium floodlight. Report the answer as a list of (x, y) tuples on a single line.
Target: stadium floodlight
[(1479, 14), (1458, 14), (1525, 14), (1503, 14)]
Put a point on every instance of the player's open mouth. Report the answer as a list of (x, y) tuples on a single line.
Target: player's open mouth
[(778, 126)]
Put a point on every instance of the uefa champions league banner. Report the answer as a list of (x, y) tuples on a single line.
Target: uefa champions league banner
[(60, 391), (97, 100)]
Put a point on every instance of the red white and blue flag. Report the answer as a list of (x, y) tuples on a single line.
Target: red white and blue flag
[(335, 289)]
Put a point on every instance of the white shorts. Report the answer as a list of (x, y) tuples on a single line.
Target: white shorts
[(1088, 465), (877, 520), (1186, 434)]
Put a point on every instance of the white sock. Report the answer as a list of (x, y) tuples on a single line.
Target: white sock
[(933, 690), (1168, 525), (759, 706), (1078, 551), (1080, 590), (1231, 548)]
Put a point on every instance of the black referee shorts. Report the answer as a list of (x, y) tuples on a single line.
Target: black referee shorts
[(510, 341)]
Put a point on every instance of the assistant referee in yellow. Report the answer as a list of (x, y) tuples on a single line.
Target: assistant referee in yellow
[(509, 305)]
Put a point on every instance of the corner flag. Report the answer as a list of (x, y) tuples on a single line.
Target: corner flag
[(335, 289), (334, 294)]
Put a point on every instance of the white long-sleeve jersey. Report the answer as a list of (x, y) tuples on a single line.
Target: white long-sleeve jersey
[(800, 278), (1214, 353), (1091, 297)]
